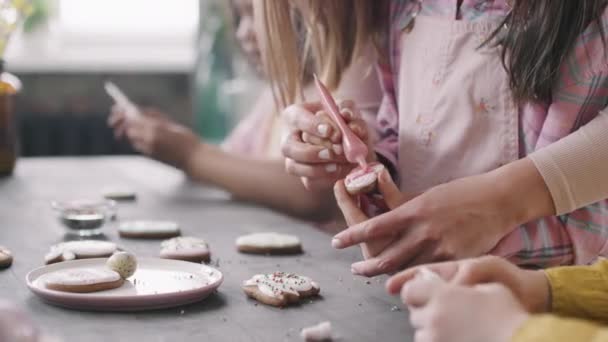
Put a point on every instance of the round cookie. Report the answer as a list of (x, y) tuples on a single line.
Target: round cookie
[(80, 250), (83, 280), (363, 181), (148, 229), (185, 248), (122, 194), (269, 243), (280, 288), (6, 258), (124, 263)]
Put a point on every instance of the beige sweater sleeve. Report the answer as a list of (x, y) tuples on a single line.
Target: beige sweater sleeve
[(575, 168)]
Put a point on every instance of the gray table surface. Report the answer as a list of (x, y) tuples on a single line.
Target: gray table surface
[(358, 308)]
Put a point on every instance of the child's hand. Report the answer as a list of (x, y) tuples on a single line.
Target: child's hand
[(155, 135), (313, 149), (530, 287), (443, 312)]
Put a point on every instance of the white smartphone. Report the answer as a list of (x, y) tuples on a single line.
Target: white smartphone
[(131, 110)]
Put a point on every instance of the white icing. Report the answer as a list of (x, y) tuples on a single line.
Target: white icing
[(81, 276), (150, 227), (361, 178), (184, 245), (279, 283), (319, 332), (362, 181), (268, 240), (124, 263), (86, 248)]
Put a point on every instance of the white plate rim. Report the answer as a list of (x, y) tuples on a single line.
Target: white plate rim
[(52, 295)]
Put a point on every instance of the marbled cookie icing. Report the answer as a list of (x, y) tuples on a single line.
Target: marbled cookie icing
[(363, 180), (82, 276), (278, 283), (124, 263)]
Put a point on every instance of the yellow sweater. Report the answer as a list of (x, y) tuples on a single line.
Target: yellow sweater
[(580, 305)]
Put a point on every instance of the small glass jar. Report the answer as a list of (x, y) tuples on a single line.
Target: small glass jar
[(84, 217)]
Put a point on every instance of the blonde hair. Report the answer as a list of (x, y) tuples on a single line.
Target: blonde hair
[(332, 33)]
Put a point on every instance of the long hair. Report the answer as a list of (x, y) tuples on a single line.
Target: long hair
[(537, 36), (330, 36)]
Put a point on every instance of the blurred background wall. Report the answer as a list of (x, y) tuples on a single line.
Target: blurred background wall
[(174, 55)]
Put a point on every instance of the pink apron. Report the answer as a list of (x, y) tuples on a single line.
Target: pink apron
[(456, 114)]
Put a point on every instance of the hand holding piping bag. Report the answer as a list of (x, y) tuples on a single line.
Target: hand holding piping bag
[(132, 112), (314, 149), (355, 150)]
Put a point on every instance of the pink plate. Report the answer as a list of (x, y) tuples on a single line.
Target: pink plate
[(157, 283)]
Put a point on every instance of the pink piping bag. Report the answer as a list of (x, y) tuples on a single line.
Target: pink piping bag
[(355, 150)]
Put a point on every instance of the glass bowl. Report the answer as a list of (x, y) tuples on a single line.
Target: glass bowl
[(84, 217)]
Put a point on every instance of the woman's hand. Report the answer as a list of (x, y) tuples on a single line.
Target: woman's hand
[(529, 286), (460, 219), (155, 135), (442, 312), (354, 215), (313, 149)]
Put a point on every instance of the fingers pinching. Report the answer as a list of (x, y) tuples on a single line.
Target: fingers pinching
[(348, 206), (294, 148), (301, 118), (336, 135), (349, 110)]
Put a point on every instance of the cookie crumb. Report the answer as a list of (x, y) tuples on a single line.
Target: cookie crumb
[(368, 282), (395, 308)]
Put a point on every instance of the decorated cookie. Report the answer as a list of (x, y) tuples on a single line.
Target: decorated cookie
[(269, 243), (279, 288), (124, 263), (83, 280), (80, 250), (6, 258), (319, 332), (185, 248), (149, 229), (362, 181), (119, 194)]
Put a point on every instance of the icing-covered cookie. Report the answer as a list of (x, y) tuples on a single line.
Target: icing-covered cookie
[(6, 258), (80, 250), (124, 263), (280, 288), (269, 243), (363, 180), (83, 280), (149, 229), (185, 248), (117, 193)]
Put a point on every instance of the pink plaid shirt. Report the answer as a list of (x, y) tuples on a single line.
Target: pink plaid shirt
[(582, 91)]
